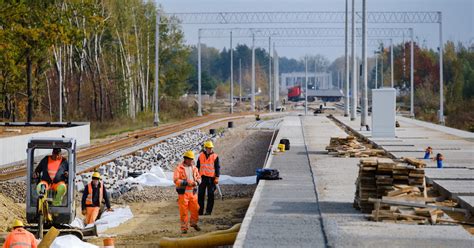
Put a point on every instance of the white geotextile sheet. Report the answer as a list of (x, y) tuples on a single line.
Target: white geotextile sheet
[(108, 219), (157, 177), (70, 241)]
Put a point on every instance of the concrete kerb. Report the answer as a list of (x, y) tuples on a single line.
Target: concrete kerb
[(239, 241)]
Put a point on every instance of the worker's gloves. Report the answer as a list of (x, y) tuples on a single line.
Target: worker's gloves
[(84, 212), (184, 182), (191, 183), (110, 210), (66, 174), (216, 180), (35, 175)]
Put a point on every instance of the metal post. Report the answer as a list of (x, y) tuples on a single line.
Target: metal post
[(381, 67), (276, 79), (376, 69), (412, 78), (391, 63), (364, 110), (240, 80), (354, 67), (269, 74), (346, 65), (306, 85), (199, 74), (156, 119), (231, 75), (252, 101), (441, 84)]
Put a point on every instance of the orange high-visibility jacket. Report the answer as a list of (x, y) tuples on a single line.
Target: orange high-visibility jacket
[(207, 165), (20, 238), (53, 167), (180, 179), (89, 201)]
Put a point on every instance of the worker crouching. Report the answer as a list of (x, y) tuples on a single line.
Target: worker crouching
[(186, 178), (209, 169), (92, 197)]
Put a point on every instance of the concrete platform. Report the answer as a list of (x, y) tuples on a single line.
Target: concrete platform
[(290, 213), (467, 202), (285, 213), (457, 147), (448, 174), (454, 188)]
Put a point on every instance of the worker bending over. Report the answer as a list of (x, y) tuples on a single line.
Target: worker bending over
[(92, 197), (186, 178), (428, 152), (19, 237), (53, 171), (209, 169)]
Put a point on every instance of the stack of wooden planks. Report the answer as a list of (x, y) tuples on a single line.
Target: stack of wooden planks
[(350, 147), (379, 177)]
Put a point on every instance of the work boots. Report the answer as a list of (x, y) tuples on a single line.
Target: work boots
[(196, 227)]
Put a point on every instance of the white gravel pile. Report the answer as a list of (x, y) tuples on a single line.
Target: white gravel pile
[(166, 155)]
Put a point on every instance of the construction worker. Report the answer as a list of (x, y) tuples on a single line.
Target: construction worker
[(92, 197), (19, 237), (53, 171), (428, 152), (209, 169), (186, 178)]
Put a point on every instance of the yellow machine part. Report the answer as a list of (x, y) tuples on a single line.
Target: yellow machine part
[(49, 238), (217, 238)]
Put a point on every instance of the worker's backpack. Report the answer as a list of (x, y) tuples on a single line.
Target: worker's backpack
[(268, 174)]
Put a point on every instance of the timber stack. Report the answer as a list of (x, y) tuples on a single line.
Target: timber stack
[(349, 147)]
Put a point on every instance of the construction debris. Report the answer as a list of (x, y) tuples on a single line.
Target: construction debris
[(350, 147), (379, 177)]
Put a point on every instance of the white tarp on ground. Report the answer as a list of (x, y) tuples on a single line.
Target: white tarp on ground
[(157, 177), (108, 219), (70, 241)]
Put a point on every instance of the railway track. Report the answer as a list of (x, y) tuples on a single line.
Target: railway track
[(133, 138)]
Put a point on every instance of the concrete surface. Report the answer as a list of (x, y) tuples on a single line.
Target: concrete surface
[(467, 202), (346, 227), (448, 174), (285, 213), (453, 188)]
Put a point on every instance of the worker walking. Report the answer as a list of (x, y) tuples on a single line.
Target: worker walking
[(428, 152), (186, 178), (53, 171), (209, 169), (19, 237), (92, 197)]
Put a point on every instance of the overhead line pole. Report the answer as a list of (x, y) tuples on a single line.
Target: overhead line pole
[(199, 113), (391, 64), (412, 85), (441, 82), (364, 112), (306, 85), (252, 101), (231, 75), (346, 62), (156, 119), (354, 67), (270, 74)]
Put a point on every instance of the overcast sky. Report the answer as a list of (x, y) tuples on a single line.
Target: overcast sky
[(458, 20)]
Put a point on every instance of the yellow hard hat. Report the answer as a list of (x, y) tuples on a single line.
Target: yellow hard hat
[(189, 154), (208, 144), (96, 175), (17, 223)]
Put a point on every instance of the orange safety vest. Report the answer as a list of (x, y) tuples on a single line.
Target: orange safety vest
[(207, 165), (180, 174), (89, 200), (53, 167), (20, 238)]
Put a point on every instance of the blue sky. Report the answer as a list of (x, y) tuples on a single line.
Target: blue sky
[(458, 20)]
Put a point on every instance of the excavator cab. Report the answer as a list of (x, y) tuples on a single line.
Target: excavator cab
[(42, 212)]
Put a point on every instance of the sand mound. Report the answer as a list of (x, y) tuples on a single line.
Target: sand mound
[(8, 212)]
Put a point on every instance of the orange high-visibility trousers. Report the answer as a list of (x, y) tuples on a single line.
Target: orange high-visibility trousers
[(91, 215), (188, 202)]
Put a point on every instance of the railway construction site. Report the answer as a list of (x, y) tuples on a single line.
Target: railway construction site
[(338, 186)]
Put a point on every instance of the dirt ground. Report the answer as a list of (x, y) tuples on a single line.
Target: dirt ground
[(9, 211)]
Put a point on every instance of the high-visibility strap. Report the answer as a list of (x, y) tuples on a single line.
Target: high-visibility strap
[(20, 244)]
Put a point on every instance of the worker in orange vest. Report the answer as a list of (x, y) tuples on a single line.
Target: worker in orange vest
[(92, 197), (209, 169), (53, 171), (186, 178), (19, 237)]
